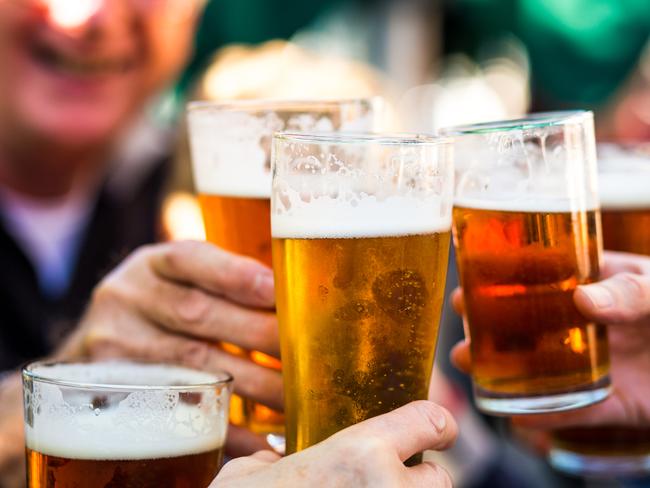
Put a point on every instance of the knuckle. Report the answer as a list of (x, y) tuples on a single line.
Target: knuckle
[(192, 307), (140, 254), (636, 292), (633, 283), (102, 345), (176, 254), (194, 354), (263, 332), (108, 292), (428, 411)]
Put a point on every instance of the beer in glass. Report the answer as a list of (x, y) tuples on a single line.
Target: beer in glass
[(230, 145), (361, 232), (123, 424), (527, 233), (624, 187)]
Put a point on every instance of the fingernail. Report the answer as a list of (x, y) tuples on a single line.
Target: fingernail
[(264, 286), (599, 295), (439, 421)]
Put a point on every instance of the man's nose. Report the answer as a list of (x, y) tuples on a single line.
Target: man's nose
[(77, 17)]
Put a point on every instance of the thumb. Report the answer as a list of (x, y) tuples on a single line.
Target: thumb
[(622, 299), (410, 429)]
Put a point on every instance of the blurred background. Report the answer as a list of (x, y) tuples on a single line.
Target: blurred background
[(437, 63)]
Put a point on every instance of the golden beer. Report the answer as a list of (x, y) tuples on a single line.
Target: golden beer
[(238, 224), (519, 270), (230, 145), (359, 323), (243, 226), (361, 227), (191, 470)]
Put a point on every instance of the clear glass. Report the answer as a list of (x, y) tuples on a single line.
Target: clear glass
[(361, 230), (121, 423), (527, 232), (624, 184), (231, 157)]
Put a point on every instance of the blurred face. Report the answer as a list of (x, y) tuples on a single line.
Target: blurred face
[(73, 72)]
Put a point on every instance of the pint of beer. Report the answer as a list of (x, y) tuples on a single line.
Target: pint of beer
[(231, 146), (361, 232), (123, 424), (624, 187), (527, 233)]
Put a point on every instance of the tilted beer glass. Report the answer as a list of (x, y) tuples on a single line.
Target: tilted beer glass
[(527, 233), (361, 230), (231, 158)]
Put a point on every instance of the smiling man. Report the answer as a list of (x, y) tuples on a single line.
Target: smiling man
[(74, 76), (81, 177)]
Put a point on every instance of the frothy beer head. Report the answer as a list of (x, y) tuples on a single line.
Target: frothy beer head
[(231, 142), (548, 157), (624, 178), (360, 185), (147, 412), (519, 203)]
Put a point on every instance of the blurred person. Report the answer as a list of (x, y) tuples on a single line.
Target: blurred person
[(370, 453), (78, 192), (581, 53)]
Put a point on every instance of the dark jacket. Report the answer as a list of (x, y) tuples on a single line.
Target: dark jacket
[(31, 325)]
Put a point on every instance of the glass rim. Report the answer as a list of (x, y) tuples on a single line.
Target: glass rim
[(361, 138), (270, 104), (223, 377), (536, 120)]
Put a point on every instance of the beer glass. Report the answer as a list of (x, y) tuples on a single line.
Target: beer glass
[(122, 423), (361, 230), (624, 187), (527, 233), (230, 145)]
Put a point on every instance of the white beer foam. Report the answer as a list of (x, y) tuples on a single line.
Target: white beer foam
[(326, 217), (522, 204), (227, 154), (145, 424), (231, 149), (623, 177), (624, 191)]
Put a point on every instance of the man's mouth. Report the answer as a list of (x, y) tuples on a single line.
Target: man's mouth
[(86, 66)]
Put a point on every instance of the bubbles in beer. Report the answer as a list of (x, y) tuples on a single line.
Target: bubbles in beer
[(401, 294)]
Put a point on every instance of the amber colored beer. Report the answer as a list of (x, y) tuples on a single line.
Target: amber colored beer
[(605, 440), (359, 323), (191, 470), (242, 225), (519, 270), (626, 228)]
